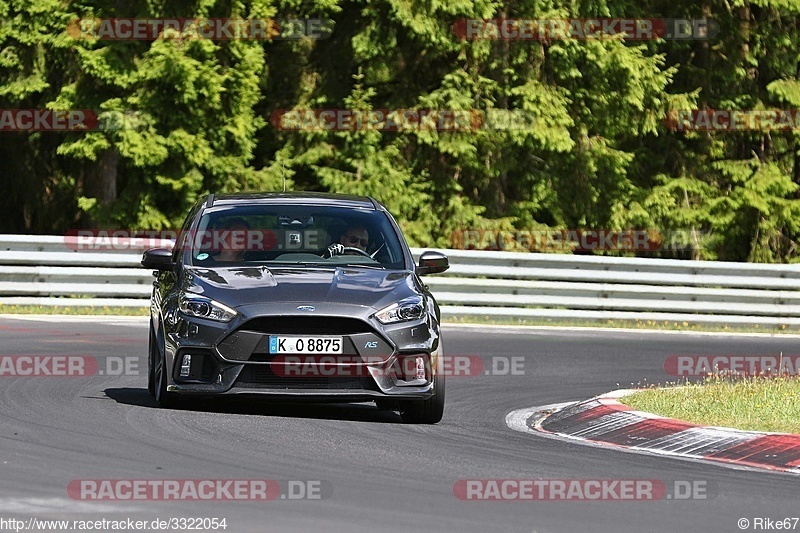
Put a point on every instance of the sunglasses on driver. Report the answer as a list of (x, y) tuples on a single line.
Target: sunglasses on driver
[(354, 239)]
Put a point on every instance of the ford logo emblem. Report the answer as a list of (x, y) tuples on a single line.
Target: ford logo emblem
[(306, 308)]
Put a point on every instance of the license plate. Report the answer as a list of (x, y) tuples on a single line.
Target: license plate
[(322, 345)]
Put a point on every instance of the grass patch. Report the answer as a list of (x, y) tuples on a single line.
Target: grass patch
[(470, 319), (626, 324), (68, 310), (760, 403)]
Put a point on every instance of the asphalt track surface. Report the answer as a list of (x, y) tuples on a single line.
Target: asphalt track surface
[(382, 475)]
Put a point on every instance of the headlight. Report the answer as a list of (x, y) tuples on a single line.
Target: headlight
[(202, 307), (408, 309)]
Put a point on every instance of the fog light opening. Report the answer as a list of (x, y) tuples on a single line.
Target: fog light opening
[(420, 364), (411, 370), (186, 366)]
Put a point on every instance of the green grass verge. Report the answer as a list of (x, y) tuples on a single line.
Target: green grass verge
[(77, 310), (627, 324), (752, 403), (471, 319)]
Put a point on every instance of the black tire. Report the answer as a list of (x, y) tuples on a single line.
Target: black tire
[(151, 363), (428, 411), (163, 398)]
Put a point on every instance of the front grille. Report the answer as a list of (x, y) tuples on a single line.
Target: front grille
[(262, 376), (307, 325)]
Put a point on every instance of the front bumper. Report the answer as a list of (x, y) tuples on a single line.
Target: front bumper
[(378, 362)]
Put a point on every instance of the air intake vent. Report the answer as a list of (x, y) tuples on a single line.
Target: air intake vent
[(263, 377)]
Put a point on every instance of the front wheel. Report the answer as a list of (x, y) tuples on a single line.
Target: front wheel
[(163, 398), (428, 411), (151, 363)]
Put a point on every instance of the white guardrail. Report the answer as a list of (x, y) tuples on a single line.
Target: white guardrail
[(44, 270)]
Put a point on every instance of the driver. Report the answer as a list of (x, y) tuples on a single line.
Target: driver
[(353, 237)]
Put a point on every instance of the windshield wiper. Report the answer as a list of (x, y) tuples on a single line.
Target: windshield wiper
[(268, 263), (362, 265)]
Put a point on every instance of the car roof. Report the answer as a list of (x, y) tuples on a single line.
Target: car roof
[(299, 198)]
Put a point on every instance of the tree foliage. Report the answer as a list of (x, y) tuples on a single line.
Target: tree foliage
[(598, 155)]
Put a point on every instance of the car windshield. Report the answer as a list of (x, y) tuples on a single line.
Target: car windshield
[(295, 235)]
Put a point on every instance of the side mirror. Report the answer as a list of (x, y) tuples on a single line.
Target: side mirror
[(158, 259), (432, 263)]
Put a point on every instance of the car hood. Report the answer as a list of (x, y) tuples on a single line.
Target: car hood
[(240, 286)]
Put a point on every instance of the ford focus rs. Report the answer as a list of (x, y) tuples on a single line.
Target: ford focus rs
[(296, 296)]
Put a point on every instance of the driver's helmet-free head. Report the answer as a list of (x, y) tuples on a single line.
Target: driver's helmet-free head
[(355, 236)]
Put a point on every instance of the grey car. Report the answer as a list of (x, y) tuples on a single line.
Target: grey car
[(295, 296)]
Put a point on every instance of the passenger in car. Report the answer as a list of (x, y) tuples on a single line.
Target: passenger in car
[(234, 245)]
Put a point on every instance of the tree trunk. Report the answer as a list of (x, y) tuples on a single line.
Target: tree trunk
[(100, 179)]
